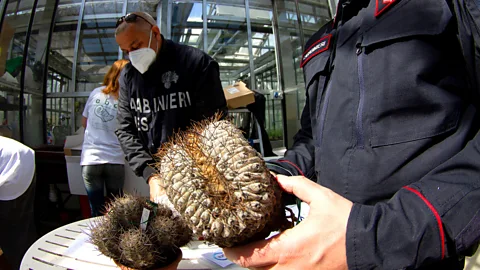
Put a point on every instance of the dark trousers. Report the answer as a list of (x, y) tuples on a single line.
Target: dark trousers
[(17, 226), (96, 177), (258, 110)]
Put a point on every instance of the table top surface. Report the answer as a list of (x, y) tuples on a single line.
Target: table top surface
[(68, 248)]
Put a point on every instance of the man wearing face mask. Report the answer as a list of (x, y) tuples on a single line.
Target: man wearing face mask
[(165, 87)]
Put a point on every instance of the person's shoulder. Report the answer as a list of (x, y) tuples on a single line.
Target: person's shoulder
[(97, 91), (324, 30), (320, 41), (183, 48), (128, 68), (11, 147), (16, 159), (127, 73), (193, 55)]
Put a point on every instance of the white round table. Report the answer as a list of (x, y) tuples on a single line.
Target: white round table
[(68, 248)]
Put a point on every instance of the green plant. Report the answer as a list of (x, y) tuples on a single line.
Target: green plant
[(275, 134)]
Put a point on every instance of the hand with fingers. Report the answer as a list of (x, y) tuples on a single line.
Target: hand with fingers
[(156, 187), (318, 242)]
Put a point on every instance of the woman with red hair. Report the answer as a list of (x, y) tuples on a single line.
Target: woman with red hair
[(102, 158)]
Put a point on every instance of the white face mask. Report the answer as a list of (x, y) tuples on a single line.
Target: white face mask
[(142, 58)]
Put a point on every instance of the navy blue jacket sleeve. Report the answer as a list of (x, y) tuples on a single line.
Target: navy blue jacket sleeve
[(210, 96), (433, 219), (127, 133), (300, 158)]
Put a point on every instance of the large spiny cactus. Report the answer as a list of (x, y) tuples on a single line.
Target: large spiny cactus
[(220, 184)]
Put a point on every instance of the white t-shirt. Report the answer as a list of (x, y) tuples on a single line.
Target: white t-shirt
[(17, 166), (100, 144)]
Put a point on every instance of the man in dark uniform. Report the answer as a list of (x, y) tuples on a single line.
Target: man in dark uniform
[(165, 87), (391, 136)]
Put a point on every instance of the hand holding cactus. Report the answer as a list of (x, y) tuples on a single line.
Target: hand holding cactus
[(210, 183), (156, 187), (220, 185), (318, 242)]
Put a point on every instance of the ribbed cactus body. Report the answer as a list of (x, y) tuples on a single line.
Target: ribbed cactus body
[(220, 184)]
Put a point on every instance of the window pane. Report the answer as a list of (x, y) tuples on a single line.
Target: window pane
[(187, 24), (227, 40), (12, 44), (313, 15), (60, 63)]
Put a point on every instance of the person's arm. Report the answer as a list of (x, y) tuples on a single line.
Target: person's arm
[(436, 218), (84, 122), (127, 132), (300, 159), (210, 96), (86, 110), (432, 219), (17, 161)]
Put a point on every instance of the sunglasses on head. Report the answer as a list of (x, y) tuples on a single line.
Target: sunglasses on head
[(131, 17)]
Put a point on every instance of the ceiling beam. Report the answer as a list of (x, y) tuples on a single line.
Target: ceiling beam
[(214, 41), (226, 43), (180, 14), (187, 36), (231, 60), (260, 61)]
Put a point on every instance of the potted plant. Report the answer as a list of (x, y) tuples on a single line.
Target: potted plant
[(220, 189), (139, 234)]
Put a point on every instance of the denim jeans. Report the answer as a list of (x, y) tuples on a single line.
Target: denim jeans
[(95, 177)]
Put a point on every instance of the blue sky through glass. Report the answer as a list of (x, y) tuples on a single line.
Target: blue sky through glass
[(196, 13)]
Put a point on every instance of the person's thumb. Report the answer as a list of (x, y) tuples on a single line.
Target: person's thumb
[(300, 186)]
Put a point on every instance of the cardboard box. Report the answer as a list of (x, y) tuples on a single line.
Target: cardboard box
[(132, 184), (73, 144), (238, 95)]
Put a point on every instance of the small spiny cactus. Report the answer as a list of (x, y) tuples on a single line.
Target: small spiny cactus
[(118, 234)]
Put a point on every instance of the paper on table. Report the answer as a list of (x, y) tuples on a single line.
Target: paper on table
[(83, 250), (305, 209), (217, 257), (195, 251)]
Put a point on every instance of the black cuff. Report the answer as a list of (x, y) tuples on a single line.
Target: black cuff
[(358, 246), (147, 172), (278, 169)]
